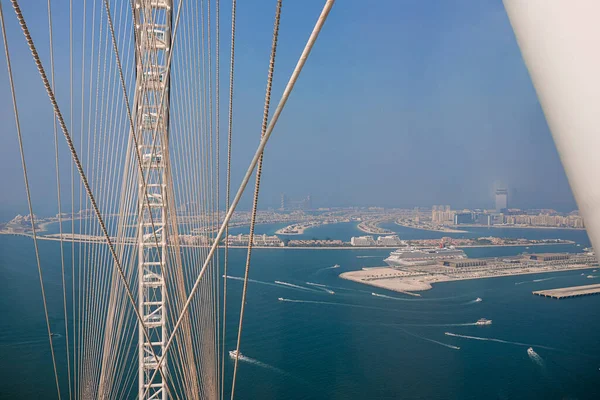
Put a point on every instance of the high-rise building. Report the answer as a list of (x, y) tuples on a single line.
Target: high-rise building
[(501, 200), (284, 201)]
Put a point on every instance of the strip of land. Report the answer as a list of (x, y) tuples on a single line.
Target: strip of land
[(420, 278), (428, 227), (574, 291)]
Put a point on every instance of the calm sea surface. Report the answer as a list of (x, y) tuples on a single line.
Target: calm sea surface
[(351, 344)]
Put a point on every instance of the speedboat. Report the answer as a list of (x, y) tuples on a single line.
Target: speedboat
[(234, 353), (483, 321), (280, 299), (477, 300), (530, 351)]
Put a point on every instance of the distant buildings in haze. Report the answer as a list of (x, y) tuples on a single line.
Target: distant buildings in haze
[(369, 241), (442, 215), (288, 204), (501, 200)]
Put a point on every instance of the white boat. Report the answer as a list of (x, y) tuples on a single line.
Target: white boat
[(590, 276), (280, 299), (336, 266), (234, 353), (477, 300), (483, 321), (531, 352)]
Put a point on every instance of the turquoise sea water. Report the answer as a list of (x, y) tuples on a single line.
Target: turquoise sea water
[(351, 344)]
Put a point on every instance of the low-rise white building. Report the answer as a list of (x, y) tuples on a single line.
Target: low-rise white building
[(389, 241), (362, 241)]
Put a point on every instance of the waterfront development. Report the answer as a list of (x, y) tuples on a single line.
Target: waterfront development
[(419, 277)]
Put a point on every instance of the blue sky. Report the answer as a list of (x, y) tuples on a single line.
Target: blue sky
[(401, 103)]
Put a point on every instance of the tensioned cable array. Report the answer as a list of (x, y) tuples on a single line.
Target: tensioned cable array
[(256, 190), (142, 312)]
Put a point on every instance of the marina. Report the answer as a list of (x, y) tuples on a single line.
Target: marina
[(568, 292)]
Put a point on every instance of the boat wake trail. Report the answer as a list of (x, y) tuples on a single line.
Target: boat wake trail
[(321, 286), (239, 278), (535, 357), (259, 364), (385, 296), (535, 280), (326, 268), (477, 300), (369, 256), (26, 342), (295, 286), (277, 284), (325, 287), (431, 340), (459, 324), (499, 341), (332, 304)]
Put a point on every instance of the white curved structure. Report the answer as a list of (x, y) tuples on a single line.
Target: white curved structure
[(560, 42)]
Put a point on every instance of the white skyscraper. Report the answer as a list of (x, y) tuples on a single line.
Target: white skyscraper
[(501, 199)]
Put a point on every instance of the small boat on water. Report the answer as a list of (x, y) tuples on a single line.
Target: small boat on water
[(483, 321), (582, 274), (531, 352), (477, 300), (234, 353), (280, 299), (595, 270), (336, 266), (590, 276)]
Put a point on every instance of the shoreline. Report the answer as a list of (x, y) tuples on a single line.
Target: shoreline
[(524, 227), (398, 281), (447, 230), (373, 232), (389, 248)]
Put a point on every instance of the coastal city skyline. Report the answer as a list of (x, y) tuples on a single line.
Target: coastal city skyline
[(501, 201)]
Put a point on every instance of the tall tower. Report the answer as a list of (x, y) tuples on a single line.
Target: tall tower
[(153, 20), (284, 202), (501, 200)]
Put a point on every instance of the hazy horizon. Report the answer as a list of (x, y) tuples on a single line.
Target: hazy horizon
[(400, 105)]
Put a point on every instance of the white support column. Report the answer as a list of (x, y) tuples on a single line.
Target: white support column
[(153, 37), (559, 41)]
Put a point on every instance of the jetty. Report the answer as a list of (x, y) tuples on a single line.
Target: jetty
[(574, 291)]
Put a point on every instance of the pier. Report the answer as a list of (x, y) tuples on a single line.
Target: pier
[(574, 291)]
